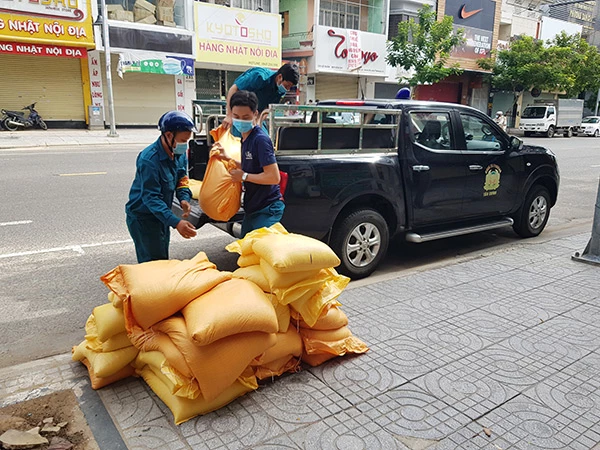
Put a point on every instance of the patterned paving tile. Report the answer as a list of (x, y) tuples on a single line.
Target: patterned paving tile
[(445, 305), (363, 299), (589, 314), (411, 358), (475, 294), (469, 391), (446, 335), (588, 278), (154, 434), (297, 400), (241, 424), (131, 402), (515, 281), (573, 332), (358, 378), (486, 325), (279, 443), (405, 288), (470, 437), (531, 308), (348, 430), (484, 267), (526, 424), (557, 268), (572, 290), (403, 318), (540, 344), (410, 411), (371, 327)]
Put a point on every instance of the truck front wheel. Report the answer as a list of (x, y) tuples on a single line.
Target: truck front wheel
[(533, 215), (550, 132), (360, 240)]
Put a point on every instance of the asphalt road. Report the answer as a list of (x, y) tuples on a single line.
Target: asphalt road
[(62, 226)]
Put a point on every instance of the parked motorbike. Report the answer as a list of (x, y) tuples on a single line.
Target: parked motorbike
[(14, 120)]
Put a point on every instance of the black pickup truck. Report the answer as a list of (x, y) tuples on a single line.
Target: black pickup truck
[(362, 172)]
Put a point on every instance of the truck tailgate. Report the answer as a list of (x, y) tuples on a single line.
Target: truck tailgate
[(198, 218)]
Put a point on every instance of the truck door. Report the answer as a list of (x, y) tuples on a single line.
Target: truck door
[(491, 183), (434, 166)]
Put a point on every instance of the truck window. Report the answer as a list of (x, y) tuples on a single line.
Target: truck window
[(431, 130), (480, 135), (534, 112), (550, 111)]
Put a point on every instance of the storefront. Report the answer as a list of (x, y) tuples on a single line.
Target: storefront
[(43, 59), (346, 64), (152, 71), (228, 42)]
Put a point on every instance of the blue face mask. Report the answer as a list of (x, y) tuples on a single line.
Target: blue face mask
[(282, 90), (180, 148), (243, 126)]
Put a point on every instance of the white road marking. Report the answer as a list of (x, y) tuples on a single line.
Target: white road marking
[(595, 165), (74, 248), (82, 174), (17, 222)]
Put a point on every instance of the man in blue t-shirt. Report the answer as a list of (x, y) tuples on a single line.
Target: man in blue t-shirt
[(258, 169), (269, 86)]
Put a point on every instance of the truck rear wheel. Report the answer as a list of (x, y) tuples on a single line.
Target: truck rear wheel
[(360, 240), (568, 133), (550, 132), (532, 217)]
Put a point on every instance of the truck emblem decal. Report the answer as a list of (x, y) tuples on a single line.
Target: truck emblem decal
[(492, 180)]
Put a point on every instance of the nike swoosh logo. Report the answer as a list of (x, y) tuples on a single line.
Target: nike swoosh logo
[(464, 14)]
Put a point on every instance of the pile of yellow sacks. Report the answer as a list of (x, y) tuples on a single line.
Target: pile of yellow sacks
[(201, 337)]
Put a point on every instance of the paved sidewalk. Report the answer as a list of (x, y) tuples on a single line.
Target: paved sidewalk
[(69, 138), (507, 342)]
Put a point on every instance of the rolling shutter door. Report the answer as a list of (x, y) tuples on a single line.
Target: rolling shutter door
[(54, 83), (140, 98), (335, 87)]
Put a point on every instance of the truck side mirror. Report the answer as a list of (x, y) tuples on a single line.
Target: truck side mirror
[(515, 143)]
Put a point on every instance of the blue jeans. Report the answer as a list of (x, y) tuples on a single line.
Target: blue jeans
[(150, 236), (265, 217)]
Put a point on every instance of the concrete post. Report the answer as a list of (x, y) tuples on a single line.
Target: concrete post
[(111, 103), (591, 254)]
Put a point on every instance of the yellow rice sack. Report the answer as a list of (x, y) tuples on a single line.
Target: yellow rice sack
[(176, 383), (116, 342), (248, 260), (335, 342), (105, 364), (220, 196), (155, 341), (98, 382), (288, 343), (317, 359), (283, 314), (295, 253), (156, 290), (115, 300), (278, 367), (311, 308), (184, 409), (280, 280), (109, 321), (233, 307), (216, 366), (253, 273), (195, 186), (332, 318), (244, 246)]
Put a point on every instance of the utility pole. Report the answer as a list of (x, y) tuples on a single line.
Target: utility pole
[(106, 41), (591, 254)]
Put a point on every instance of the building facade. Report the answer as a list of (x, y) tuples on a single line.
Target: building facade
[(231, 37), (340, 46), (43, 58)]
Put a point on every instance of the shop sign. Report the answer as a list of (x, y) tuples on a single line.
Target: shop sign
[(95, 69), (478, 44), (146, 62), (237, 36), (48, 22), (350, 51), (17, 48)]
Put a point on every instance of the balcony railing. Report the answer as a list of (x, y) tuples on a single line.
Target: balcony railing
[(297, 41)]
